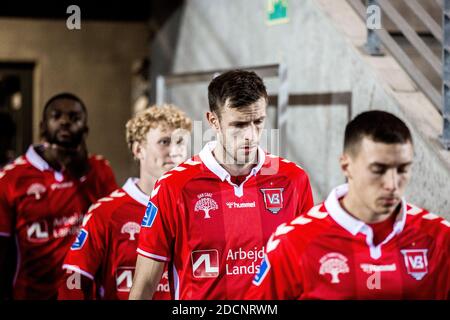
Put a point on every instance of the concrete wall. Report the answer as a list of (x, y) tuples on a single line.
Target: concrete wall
[(320, 59), (94, 62)]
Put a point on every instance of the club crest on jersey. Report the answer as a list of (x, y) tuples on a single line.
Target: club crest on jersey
[(150, 215), (205, 203), (416, 262), (263, 271), (131, 228), (273, 199), (37, 190), (80, 240), (333, 263)]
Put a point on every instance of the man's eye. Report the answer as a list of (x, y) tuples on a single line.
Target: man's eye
[(164, 142), (402, 170), (55, 115), (378, 171)]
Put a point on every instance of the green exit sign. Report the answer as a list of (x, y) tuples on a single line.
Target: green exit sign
[(277, 12)]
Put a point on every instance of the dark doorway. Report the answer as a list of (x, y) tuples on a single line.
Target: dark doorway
[(16, 112)]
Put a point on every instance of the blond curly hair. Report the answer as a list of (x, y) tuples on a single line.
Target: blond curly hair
[(166, 115)]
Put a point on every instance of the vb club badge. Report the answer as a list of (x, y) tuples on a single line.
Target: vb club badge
[(416, 262), (273, 199)]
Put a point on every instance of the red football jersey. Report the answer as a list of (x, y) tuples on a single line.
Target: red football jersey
[(328, 254), (43, 210), (105, 249), (212, 231)]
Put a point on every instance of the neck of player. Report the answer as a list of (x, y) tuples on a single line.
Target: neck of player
[(356, 208), (234, 168), (146, 182)]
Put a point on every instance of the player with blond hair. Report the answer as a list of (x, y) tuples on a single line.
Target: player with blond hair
[(105, 250)]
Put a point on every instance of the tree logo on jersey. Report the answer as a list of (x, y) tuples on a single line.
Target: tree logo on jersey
[(205, 263), (333, 263), (124, 278), (273, 199), (206, 203), (37, 190), (131, 228), (416, 262), (37, 232), (80, 240)]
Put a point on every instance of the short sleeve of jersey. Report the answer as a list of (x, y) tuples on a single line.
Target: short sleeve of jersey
[(86, 253), (306, 200), (279, 276), (6, 211), (157, 232)]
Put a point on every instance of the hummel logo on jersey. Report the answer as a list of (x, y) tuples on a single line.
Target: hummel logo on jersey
[(38, 232), (206, 203), (150, 215), (333, 263), (273, 199), (416, 262), (37, 190), (80, 240), (124, 278), (205, 263), (131, 228)]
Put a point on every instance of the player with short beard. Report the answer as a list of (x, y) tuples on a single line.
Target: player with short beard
[(43, 196)]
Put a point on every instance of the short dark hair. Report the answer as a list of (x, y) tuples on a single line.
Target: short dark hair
[(379, 126), (63, 95), (239, 88)]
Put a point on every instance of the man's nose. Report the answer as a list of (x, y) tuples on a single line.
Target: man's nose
[(64, 119), (251, 132), (391, 180)]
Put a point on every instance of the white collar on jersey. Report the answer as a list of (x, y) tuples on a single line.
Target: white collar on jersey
[(211, 163), (354, 226), (131, 188), (39, 163)]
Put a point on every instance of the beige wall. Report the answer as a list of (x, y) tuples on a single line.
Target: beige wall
[(94, 63)]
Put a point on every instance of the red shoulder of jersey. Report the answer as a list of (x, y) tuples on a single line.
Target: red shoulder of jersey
[(302, 230), (176, 178), (430, 224), (105, 207), (15, 169)]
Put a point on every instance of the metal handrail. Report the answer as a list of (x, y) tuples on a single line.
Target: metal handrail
[(441, 101)]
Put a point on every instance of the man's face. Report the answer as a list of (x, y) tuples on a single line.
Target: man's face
[(240, 131), (378, 174), (64, 123), (164, 149)]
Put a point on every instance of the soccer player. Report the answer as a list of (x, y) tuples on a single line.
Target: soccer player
[(365, 241), (105, 249), (43, 196), (211, 216)]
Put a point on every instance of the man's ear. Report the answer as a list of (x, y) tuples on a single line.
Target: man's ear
[(213, 120), (42, 130), (345, 163), (86, 131), (137, 150)]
